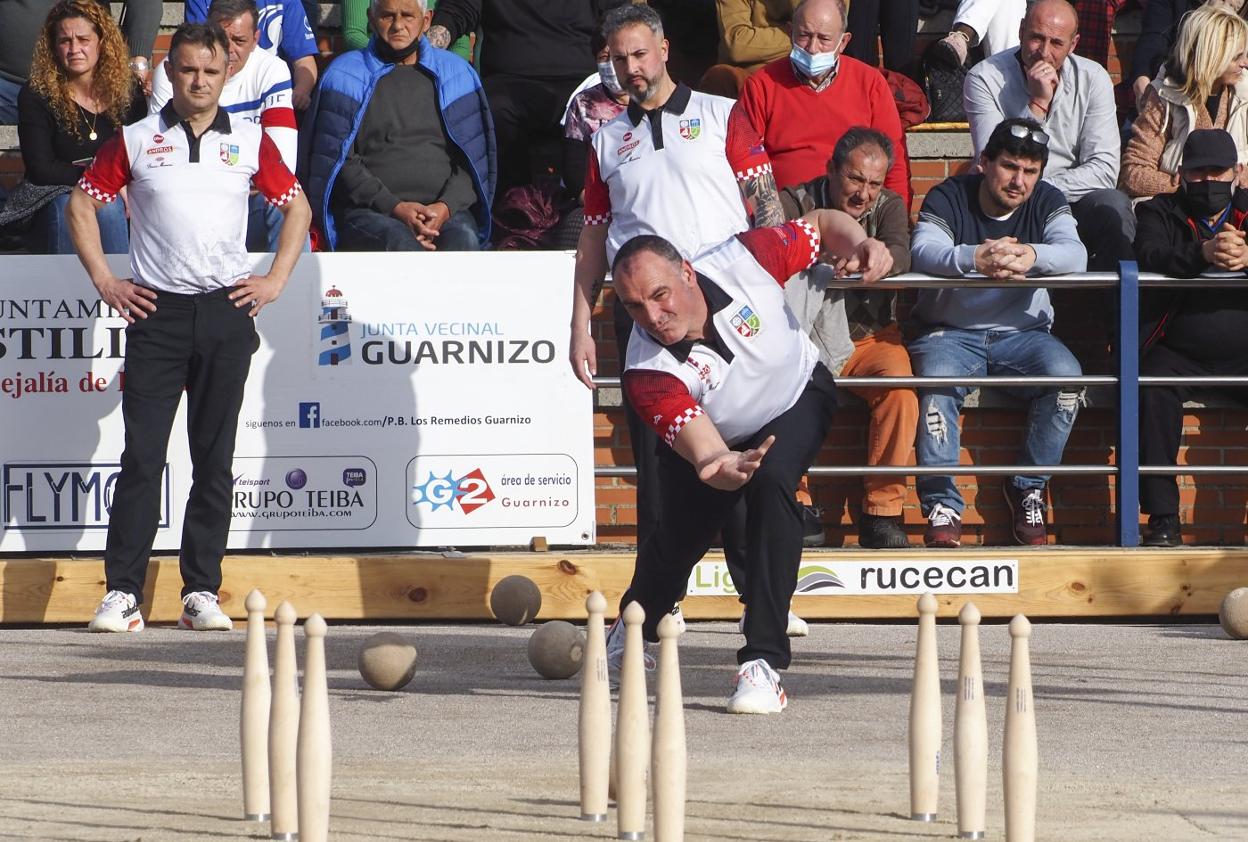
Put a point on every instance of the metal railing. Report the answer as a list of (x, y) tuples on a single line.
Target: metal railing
[(1127, 469)]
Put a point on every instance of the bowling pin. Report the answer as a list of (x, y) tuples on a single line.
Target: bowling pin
[(668, 757), (925, 718), (1019, 765), (632, 737), (315, 755), (253, 720), (284, 730), (970, 731), (594, 722)]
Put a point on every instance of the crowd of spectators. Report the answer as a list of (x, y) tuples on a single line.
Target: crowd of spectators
[(435, 117)]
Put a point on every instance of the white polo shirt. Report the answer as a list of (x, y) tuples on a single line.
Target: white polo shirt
[(758, 360), (673, 172), (260, 93), (187, 196)]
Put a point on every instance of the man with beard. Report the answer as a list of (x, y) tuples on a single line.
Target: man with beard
[(1005, 223)]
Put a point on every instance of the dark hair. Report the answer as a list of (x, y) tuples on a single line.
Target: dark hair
[(206, 35), (631, 14), (1002, 140), (224, 11), (859, 136), (598, 38), (646, 244)]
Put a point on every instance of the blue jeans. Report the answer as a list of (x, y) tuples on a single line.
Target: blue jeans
[(8, 102), (361, 229), (49, 228), (264, 226), (975, 353)]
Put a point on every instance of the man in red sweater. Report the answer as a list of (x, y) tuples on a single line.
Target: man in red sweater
[(803, 103)]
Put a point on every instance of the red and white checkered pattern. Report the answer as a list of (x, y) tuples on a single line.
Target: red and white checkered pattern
[(816, 242), (753, 172), (679, 422), (285, 198), (597, 218), (95, 192)]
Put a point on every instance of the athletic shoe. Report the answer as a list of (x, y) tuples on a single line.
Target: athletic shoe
[(797, 627), (680, 617), (880, 532), (615, 652), (201, 612), (944, 528), (756, 689), (1026, 514), (952, 50), (813, 534), (119, 612), (1164, 531)]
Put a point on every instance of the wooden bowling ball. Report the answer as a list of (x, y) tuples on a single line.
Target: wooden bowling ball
[(1234, 614), (515, 600), (556, 649), (387, 661)]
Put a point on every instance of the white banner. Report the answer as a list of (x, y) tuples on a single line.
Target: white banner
[(855, 577), (396, 401)]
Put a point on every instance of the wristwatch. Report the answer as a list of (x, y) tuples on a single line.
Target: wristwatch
[(139, 65)]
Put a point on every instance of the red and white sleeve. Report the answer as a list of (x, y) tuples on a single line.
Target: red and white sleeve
[(744, 146), (661, 400), (597, 196), (109, 171), (785, 249), (273, 179)]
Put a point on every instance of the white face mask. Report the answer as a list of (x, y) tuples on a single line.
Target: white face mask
[(606, 70)]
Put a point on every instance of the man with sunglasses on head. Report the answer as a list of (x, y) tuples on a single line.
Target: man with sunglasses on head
[(1005, 223), (1072, 98)]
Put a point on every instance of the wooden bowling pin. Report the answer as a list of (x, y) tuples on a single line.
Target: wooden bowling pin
[(594, 724), (253, 720), (970, 731), (284, 730), (632, 727), (1019, 764), (925, 718), (315, 756), (667, 757)]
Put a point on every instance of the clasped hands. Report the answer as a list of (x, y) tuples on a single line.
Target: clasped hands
[(1227, 249), (425, 221), (1004, 258)]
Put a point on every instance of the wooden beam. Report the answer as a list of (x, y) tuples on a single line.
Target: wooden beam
[(1062, 582)]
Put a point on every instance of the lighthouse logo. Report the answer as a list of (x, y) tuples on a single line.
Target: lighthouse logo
[(335, 322)]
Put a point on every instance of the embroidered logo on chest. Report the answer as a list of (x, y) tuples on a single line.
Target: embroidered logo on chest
[(691, 129), (229, 154), (746, 322)]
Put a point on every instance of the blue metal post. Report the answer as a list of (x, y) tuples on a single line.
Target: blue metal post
[(1128, 486)]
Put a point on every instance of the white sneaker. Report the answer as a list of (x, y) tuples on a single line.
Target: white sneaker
[(118, 612), (680, 618), (202, 612), (757, 689), (615, 652), (797, 627)]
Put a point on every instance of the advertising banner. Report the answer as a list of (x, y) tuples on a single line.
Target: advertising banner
[(877, 577), (394, 401)]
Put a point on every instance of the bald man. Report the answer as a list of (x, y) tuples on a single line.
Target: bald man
[(1073, 100)]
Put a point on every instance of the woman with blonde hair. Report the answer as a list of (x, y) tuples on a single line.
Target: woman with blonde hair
[(81, 90), (1201, 86)]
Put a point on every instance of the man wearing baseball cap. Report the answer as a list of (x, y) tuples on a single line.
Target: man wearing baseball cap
[(1186, 330)]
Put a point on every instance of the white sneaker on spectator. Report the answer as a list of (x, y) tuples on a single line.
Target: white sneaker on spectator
[(615, 652), (797, 627), (757, 689), (202, 612), (118, 612)]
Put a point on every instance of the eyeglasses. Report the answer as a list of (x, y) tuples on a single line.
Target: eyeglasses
[(1036, 135)]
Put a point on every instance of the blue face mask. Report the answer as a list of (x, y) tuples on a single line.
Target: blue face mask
[(814, 65)]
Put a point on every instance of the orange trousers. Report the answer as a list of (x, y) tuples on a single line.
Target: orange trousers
[(894, 416)]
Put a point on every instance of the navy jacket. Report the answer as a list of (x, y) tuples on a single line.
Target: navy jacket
[(337, 110)]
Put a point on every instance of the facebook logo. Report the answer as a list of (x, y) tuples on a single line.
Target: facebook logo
[(310, 415)]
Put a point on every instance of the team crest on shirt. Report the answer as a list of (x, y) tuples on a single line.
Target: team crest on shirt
[(746, 322), (690, 129), (229, 154)]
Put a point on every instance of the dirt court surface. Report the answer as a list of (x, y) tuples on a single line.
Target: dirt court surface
[(1142, 733)]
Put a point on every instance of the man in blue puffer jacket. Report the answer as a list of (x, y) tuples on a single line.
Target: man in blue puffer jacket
[(397, 149)]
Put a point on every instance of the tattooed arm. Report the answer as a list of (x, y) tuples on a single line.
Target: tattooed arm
[(762, 199)]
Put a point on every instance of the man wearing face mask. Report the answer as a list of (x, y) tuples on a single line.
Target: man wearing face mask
[(803, 103), (1073, 100), (1188, 331)]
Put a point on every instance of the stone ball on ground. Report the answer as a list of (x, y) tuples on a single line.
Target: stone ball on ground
[(556, 649), (515, 600), (1234, 614), (387, 661)]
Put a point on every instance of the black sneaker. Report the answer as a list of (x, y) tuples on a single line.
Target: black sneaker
[(812, 527), (881, 532), (1163, 531)]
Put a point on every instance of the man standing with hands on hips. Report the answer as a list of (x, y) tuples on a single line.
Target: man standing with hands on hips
[(190, 309)]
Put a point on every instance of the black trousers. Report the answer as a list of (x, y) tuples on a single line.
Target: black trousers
[(1161, 419), (692, 514), (201, 344), (897, 23), (526, 113)]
